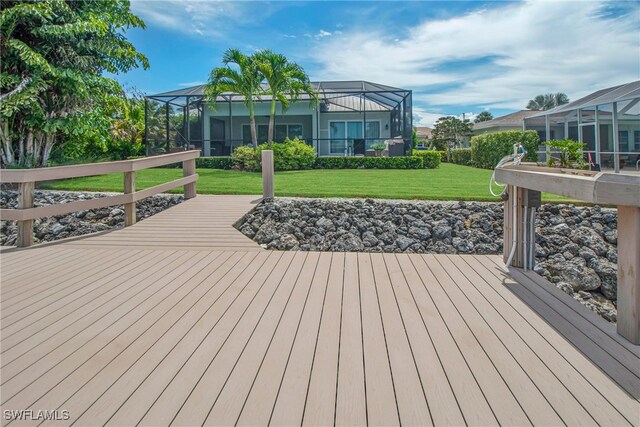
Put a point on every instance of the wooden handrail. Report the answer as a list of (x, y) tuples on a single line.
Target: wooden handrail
[(93, 169), (525, 183), (26, 179)]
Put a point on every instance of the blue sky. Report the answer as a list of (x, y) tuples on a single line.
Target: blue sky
[(457, 57)]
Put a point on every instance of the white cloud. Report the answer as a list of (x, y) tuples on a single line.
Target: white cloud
[(322, 34), (201, 18), (497, 58), (423, 117)]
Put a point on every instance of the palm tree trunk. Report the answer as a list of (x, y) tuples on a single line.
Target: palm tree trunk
[(252, 123), (272, 116)]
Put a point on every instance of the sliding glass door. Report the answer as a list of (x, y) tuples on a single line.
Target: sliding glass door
[(343, 134)]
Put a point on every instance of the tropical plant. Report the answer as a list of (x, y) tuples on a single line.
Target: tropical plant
[(483, 117), (287, 81), (547, 101), (570, 153), (244, 79), (449, 133), (52, 57), (378, 148)]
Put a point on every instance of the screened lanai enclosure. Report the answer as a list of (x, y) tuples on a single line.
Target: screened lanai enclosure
[(607, 121), (348, 118)]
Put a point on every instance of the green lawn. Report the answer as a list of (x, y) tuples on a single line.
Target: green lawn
[(449, 182)]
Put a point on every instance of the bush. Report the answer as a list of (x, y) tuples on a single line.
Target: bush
[(430, 159), (217, 162), (399, 162), (570, 153), (246, 158), (292, 154), (443, 156), (488, 149), (461, 156)]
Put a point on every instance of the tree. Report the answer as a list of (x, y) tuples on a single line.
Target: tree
[(449, 132), (245, 79), (286, 80), (547, 101), (483, 117), (53, 54)]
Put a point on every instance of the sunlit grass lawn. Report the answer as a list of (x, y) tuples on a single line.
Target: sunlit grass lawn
[(449, 182)]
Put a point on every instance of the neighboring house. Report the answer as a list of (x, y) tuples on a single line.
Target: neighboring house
[(607, 121), (424, 135), (349, 117), (513, 121)]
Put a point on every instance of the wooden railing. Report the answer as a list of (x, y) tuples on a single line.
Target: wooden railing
[(27, 178), (527, 181)]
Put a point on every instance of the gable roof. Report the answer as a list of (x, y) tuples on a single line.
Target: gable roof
[(514, 120)]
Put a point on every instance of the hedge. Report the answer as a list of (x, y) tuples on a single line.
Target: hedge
[(431, 159), (217, 162), (399, 162), (488, 149), (214, 162), (461, 156)]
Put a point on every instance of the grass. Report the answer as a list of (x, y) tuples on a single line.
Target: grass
[(449, 182)]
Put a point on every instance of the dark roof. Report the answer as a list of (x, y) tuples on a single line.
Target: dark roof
[(514, 119), (339, 95)]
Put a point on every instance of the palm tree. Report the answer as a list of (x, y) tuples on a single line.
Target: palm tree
[(286, 79), (547, 101), (483, 117), (246, 80)]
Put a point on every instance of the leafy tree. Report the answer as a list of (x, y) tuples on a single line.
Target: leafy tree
[(286, 80), (547, 101), (53, 54), (483, 117), (244, 79), (414, 138), (449, 133)]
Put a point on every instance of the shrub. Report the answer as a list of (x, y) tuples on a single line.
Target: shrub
[(214, 162), (443, 156), (570, 152), (488, 149), (461, 156), (430, 159), (292, 154), (399, 162), (246, 158)]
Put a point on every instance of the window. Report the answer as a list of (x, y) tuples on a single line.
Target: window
[(342, 134), (623, 139), (281, 132), (636, 139)]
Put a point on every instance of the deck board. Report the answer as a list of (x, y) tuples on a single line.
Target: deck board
[(181, 319)]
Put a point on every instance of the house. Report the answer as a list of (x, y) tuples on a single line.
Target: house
[(424, 134), (607, 121), (513, 121), (350, 116)]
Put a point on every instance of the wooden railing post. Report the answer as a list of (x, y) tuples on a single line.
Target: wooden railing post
[(25, 201), (267, 174), (628, 322), (188, 169), (129, 208)]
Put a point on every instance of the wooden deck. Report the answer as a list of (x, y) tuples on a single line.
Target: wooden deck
[(145, 327)]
